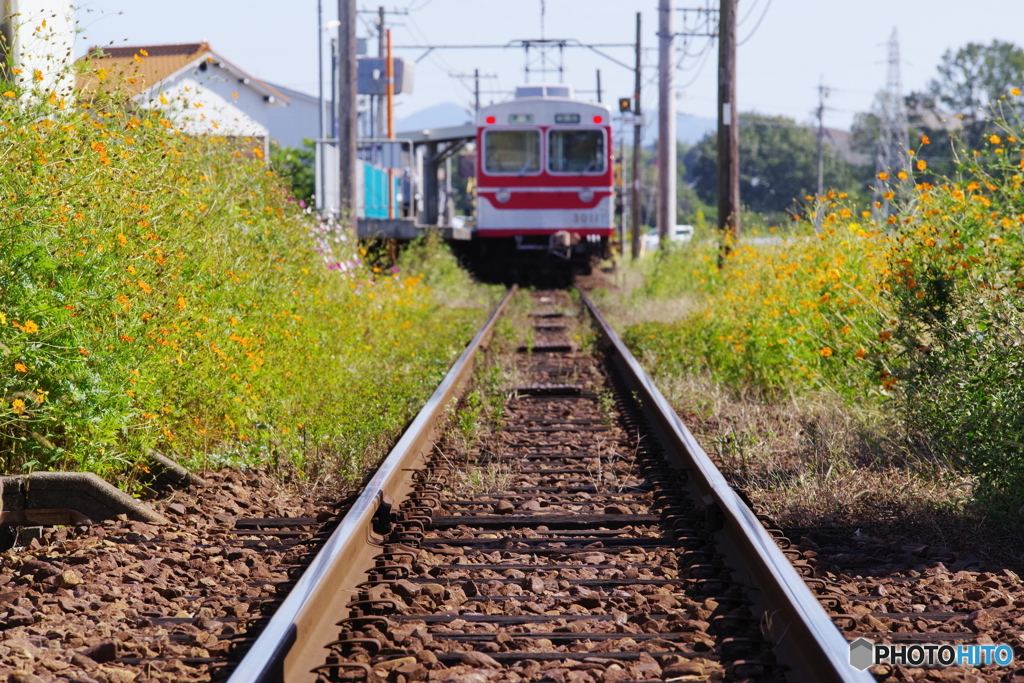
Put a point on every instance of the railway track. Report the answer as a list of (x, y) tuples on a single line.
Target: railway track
[(606, 549)]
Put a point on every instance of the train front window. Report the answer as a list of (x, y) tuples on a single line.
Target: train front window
[(512, 151), (576, 151)]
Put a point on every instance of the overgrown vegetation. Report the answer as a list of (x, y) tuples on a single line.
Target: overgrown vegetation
[(918, 316), (163, 291)]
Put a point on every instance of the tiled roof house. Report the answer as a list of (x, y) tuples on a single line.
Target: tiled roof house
[(197, 88)]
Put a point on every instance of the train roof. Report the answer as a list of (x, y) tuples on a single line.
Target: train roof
[(539, 104)]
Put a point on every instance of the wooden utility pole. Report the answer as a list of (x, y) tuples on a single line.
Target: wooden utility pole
[(348, 115), (666, 122), (637, 164), (728, 123)]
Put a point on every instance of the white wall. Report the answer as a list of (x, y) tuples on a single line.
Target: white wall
[(43, 33), (300, 119), (213, 101)]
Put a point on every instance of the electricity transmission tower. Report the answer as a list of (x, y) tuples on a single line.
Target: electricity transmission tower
[(893, 138)]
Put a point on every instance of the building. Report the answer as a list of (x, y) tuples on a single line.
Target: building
[(290, 125), (37, 38), (196, 88)]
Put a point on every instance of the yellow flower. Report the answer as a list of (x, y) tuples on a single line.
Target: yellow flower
[(826, 352), (29, 327), (925, 140), (921, 164), (994, 139), (144, 287), (20, 367), (883, 176), (1015, 92), (9, 93), (38, 75), (18, 406)]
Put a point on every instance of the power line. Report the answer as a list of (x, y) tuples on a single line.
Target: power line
[(758, 25)]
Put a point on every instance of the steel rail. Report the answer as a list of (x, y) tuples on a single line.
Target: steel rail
[(294, 640), (804, 635)]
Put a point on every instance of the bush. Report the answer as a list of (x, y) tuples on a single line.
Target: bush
[(954, 352), (160, 290), (921, 312), (799, 312)]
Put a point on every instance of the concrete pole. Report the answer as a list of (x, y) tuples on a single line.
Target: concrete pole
[(666, 122), (348, 113), (382, 53)]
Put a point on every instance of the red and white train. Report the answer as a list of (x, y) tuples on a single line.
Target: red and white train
[(544, 175)]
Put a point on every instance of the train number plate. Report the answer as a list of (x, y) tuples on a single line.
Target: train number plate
[(586, 218)]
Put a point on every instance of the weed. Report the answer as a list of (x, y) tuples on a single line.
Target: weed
[(162, 290)]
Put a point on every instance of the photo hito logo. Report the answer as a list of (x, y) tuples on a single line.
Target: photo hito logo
[(864, 653)]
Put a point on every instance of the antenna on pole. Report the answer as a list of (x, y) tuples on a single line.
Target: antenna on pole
[(893, 138)]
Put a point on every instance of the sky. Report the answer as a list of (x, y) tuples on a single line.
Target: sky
[(788, 47)]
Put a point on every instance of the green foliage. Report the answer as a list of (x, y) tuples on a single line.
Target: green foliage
[(923, 311), (975, 76), (295, 166), (159, 290), (778, 164), (954, 351)]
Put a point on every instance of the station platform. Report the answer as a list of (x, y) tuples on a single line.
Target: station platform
[(405, 229)]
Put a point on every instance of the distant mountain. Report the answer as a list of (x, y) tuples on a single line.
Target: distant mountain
[(689, 129), (437, 116)]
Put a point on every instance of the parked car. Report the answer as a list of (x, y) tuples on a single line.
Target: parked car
[(679, 235)]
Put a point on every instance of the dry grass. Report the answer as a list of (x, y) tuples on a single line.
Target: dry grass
[(811, 460)]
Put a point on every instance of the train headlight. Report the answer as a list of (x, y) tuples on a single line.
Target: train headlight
[(503, 196), (586, 195)]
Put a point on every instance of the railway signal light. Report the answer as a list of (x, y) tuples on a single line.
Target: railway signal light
[(625, 104)]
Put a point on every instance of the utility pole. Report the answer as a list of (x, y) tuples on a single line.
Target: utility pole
[(476, 76), (599, 86), (666, 122), (381, 53), (637, 165), (348, 114), (822, 94), (728, 124)]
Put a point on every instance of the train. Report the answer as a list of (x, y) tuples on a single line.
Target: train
[(545, 193)]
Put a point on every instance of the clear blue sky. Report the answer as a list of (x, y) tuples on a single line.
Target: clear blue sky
[(798, 44)]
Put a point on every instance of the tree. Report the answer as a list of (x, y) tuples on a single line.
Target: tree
[(295, 166), (778, 164), (976, 75)]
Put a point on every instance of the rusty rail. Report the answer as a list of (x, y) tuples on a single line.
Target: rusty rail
[(805, 637)]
